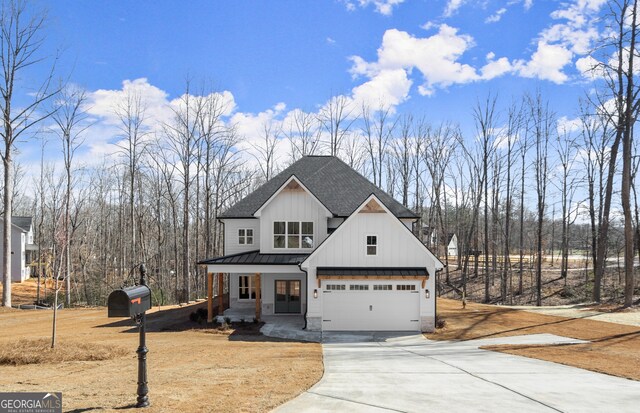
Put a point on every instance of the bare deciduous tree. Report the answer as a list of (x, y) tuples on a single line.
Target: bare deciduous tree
[(21, 38)]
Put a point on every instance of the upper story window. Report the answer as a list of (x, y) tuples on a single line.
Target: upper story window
[(293, 234), (372, 245), (245, 236)]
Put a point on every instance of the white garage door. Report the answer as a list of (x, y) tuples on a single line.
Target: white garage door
[(371, 306)]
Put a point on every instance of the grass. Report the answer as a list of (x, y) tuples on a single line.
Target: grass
[(39, 351), (191, 367), (613, 348)]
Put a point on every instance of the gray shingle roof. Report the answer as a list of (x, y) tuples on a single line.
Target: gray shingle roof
[(340, 188), (374, 271), (254, 257), (24, 223)]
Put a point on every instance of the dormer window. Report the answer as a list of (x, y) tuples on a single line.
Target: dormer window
[(372, 245), (293, 234), (245, 236)]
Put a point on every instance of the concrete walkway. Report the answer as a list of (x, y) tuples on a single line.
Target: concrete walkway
[(289, 327), (407, 373)]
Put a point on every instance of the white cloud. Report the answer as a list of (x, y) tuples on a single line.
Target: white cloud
[(103, 106), (452, 7), (495, 68), (388, 88), (436, 57), (568, 125), (547, 63), (494, 18), (557, 45), (429, 25), (105, 102), (329, 40), (384, 7), (589, 68)]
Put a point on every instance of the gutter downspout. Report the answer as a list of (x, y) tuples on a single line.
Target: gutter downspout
[(307, 294), (435, 299)]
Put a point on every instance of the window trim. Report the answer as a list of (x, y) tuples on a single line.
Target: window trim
[(286, 235), (251, 287), (245, 236), (367, 245)]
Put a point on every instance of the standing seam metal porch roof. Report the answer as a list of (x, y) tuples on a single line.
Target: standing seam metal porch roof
[(255, 258), (336, 185), (381, 272)]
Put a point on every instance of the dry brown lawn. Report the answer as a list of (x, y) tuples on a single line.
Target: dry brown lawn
[(613, 349), (189, 368)]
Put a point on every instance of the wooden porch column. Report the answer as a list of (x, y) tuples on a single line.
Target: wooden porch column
[(209, 297), (258, 298), (220, 294)]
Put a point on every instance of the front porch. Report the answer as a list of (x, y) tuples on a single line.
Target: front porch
[(258, 285)]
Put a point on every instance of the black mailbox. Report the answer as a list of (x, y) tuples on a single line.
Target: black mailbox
[(129, 301)]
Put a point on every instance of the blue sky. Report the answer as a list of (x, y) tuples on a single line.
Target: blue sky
[(432, 58)]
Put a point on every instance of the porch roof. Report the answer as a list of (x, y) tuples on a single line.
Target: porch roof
[(381, 272), (256, 258)]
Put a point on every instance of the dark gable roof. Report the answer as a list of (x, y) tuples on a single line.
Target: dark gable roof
[(24, 223), (340, 188), (254, 257)]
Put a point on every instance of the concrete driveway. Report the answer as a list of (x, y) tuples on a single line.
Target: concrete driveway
[(407, 373)]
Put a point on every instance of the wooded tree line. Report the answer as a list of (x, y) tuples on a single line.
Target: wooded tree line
[(521, 185)]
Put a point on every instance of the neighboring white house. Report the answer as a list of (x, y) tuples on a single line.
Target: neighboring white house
[(21, 247), (452, 245), (322, 241)]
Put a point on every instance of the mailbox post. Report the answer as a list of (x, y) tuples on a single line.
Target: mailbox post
[(143, 389), (133, 302)]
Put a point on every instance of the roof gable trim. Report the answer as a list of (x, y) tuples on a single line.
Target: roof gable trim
[(365, 208), (294, 184)]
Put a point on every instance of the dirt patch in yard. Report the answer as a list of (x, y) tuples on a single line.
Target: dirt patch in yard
[(613, 349), (189, 368), (26, 292)]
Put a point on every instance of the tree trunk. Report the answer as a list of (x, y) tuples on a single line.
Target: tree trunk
[(6, 248)]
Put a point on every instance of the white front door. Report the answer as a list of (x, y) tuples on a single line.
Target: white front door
[(371, 306)]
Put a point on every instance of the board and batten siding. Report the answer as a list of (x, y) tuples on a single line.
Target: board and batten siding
[(231, 227), (292, 205), (397, 247)]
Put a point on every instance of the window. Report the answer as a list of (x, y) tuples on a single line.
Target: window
[(382, 287), (279, 233), (406, 287), (293, 234), (307, 234), (246, 287), (372, 245), (335, 287), (245, 236), (359, 287)]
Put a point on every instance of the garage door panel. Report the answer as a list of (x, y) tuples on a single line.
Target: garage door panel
[(378, 310)]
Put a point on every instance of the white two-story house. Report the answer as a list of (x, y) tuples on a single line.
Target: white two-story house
[(22, 247), (322, 241)]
